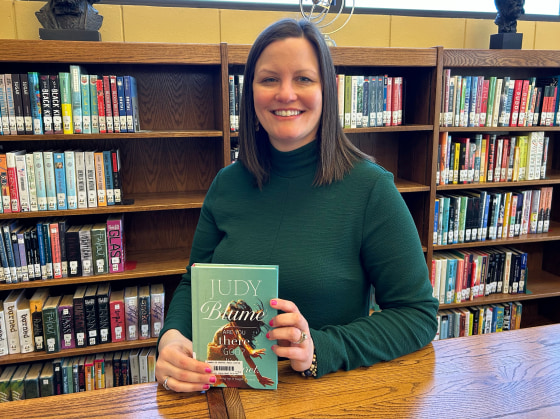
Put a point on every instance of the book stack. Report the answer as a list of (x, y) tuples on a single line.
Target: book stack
[(466, 274), (478, 101), (77, 374), (486, 158), (478, 320), (72, 102), (51, 248), (59, 180), (89, 316), (480, 215)]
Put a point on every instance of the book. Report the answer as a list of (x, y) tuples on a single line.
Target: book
[(36, 303), (60, 180), (134, 366), (143, 365), (91, 315), (108, 365), (91, 180), (46, 108), (31, 182), (25, 326), (74, 260), (117, 183), (99, 371), (117, 316), (3, 332), (55, 249), (26, 102), (231, 309), (131, 312), (17, 389), (15, 203), (100, 105), (11, 304), (115, 243), (100, 178), (56, 103), (50, 180), (5, 120), (51, 324), (108, 104), (144, 308), (108, 172), (89, 372), (71, 179), (46, 382), (6, 200), (94, 107), (80, 331), (10, 103), (104, 312), (157, 306), (66, 318), (76, 72), (80, 176), (115, 103), (86, 254), (86, 103), (5, 378), (99, 248), (31, 381), (121, 104), (66, 102)]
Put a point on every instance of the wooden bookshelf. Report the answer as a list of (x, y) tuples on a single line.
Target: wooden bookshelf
[(185, 140)]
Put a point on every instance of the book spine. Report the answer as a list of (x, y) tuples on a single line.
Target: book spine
[(86, 254), (56, 105), (10, 104), (36, 103), (22, 255), (23, 183), (104, 317), (117, 321), (134, 100), (94, 107), (121, 104), (92, 325), (157, 305), (86, 104), (91, 181), (76, 96), (131, 317), (12, 182), (101, 106), (100, 179), (52, 329), (144, 316), (55, 249), (108, 104), (60, 180), (115, 244), (81, 186), (116, 167), (5, 120), (50, 180), (31, 182), (25, 328), (66, 102), (18, 104), (46, 107), (37, 324), (62, 227), (108, 172), (71, 186), (115, 104), (6, 199), (73, 253), (99, 250), (26, 101), (66, 317), (80, 331)]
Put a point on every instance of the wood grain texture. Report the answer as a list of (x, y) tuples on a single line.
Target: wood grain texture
[(508, 374), (500, 58)]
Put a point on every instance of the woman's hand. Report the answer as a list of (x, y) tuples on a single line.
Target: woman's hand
[(291, 331), (176, 368)]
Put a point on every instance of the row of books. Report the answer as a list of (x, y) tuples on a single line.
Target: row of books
[(480, 215), (72, 102), (77, 374), (463, 275), (478, 320), (491, 158), (478, 101), (363, 101), (94, 314), (370, 101), (53, 248), (59, 180)]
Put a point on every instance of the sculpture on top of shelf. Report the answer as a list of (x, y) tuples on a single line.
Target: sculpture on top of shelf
[(69, 20), (506, 20), (508, 13), (319, 9)]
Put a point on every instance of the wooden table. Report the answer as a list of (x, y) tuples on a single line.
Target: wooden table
[(508, 374)]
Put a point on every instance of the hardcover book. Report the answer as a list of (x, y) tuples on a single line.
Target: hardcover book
[(26, 102), (103, 312), (11, 304), (66, 102), (131, 312), (116, 304), (80, 331), (3, 333), (25, 326), (31, 381), (91, 316), (16, 383), (46, 382), (66, 318), (115, 243), (56, 106), (99, 249), (144, 312), (231, 312), (5, 377), (36, 303), (73, 251), (46, 107), (157, 303), (86, 254), (51, 324), (71, 183)]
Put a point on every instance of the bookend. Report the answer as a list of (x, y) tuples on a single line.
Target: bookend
[(506, 40)]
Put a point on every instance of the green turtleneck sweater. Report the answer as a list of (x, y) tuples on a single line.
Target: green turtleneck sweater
[(332, 243)]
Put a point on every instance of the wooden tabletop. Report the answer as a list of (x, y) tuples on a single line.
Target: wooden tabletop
[(512, 374)]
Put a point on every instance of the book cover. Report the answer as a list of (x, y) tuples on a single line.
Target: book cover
[(26, 102), (50, 180), (86, 103), (66, 318), (115, 243), (230, 315), (100, 178), (131, 312), (94, 107), (116, 166), (11, 304), (91, 315), (60, 180), (116, 306), (108, 172), (108, 104), (66, 102), (76, 96), (56, 104), (36, 303), (121, 104), (78, 303), (31, 182), (144, 312), (157, 305), (91, 181), (103, 312), (51, 324), (99, 249), (86, 254)]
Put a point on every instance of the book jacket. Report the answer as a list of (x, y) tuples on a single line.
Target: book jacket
[(231, 313)]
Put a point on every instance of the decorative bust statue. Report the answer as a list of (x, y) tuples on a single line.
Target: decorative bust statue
[(508, 13), (70, 14)]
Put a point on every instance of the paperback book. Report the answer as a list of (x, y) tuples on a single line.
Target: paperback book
[(231, 313)]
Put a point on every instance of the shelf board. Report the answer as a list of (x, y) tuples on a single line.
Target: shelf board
[(104, 347), (552, 235), (157, 201), (477, 58), (404, 186), (499, 129), (397, 128), (118, 136), (541, 284), (143, 264), (552, 178)]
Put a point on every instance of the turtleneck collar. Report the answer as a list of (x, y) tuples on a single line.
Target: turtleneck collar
[(298, 162)]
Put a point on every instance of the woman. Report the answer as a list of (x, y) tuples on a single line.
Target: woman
[(304, 198)]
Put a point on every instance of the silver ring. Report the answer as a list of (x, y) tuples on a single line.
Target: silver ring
[(165, 386), (301, 338)]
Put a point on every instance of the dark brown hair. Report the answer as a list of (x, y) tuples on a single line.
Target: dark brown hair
[(336, 153)]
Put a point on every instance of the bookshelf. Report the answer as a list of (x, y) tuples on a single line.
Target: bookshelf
[(543, 282), (166, 168), (185, 140)]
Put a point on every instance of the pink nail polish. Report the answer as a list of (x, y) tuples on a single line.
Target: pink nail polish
[(208, 370), (268, 335), (212, 379), (206, 386), (273, 302), (270, 323)]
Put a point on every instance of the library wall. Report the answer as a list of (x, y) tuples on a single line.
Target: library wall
[(190, 25)]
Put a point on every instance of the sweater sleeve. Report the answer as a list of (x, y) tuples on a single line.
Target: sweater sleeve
[(394, 263)]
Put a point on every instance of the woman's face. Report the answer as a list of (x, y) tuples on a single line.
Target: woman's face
[(287, 92)]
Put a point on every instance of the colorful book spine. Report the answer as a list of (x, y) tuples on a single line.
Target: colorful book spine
[(46, 107), (60, 180), (100, 179), (71, 183), (56, 104), (108, 104), (116, 306), (23, 183), (94, 107), (91, 180), (86, 254), (115, 103), (116, 167), (31, 182), (51, 324), (131, 312), (115, 245), (76, 96), (26, 101), (99, 249), (121, 104), (157, 305), (128, 104), (101, 106), (86, 103), (50, 180), (81, 185), (144, 324), (108, 172), (66, 102), (66, 318)]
